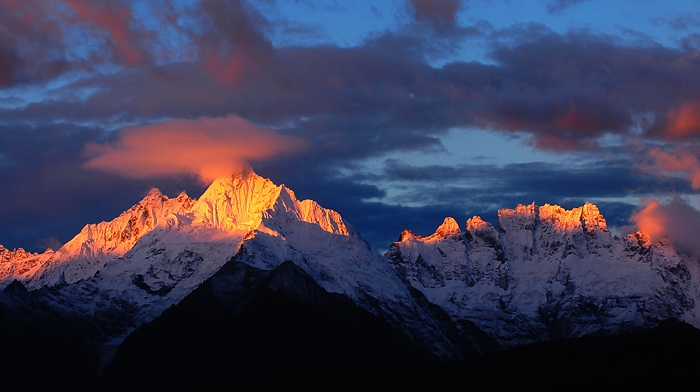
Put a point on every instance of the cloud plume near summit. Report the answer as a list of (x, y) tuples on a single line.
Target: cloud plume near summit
[(678, 221), (208, 148)]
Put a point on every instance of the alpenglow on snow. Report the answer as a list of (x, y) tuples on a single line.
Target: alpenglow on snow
[(543, 273)]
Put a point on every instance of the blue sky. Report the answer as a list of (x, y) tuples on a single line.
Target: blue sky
[(394, 113)]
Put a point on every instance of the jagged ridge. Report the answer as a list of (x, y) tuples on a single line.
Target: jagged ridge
[(547, 272), (125, 272), (544, 273)]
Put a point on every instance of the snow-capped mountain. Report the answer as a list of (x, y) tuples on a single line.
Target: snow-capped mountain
[(544, 273), (126, 272), (547, 273)]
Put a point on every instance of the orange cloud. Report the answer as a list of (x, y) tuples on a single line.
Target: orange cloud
[(681, 161), (677, 221), (208, 147), (684, 121), (651, 220)]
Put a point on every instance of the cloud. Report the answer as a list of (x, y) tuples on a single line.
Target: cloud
[(209, 148), (482, 189), (49, 243), (682, 22), (231, 44), (210, 59), (114, 17), (42, 40), (538, 181), (567, 91), (440, 13), (46, 191), (31, 48), (557, 6), (677, 221), (682, 161), (683, 121)]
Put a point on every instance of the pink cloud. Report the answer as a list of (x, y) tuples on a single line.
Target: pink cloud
[(209, 148), (677, 221), (680, 161), (684, 121)]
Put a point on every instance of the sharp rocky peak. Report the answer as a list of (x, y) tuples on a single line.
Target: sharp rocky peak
[(407, 235), (154, 193), (448, 227), (475, 223), (587, 217), (236, 202)]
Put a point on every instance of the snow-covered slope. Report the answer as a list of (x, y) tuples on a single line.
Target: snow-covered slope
[(549, 273)]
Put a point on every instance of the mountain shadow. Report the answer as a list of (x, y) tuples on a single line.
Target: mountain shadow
[(41, 348), (250, 327), (664, 357)]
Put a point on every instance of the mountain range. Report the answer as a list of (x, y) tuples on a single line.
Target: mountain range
[(248, 277)]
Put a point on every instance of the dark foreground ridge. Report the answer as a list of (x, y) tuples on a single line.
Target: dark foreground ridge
[(251, 329), (660, 358), (246, 321)]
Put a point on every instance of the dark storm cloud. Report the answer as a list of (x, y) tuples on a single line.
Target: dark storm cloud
[(40, 40), (439, 13), (436, 22), (214, 58), (570, 89), (30, 44), (565, 90), (231, 46), (557, 6)]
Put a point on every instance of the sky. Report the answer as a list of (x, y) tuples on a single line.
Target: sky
[(395, 113)]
